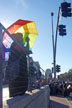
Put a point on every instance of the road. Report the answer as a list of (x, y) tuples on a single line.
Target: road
[(59, 102)]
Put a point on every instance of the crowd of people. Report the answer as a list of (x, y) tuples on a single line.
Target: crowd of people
[(60, 88)]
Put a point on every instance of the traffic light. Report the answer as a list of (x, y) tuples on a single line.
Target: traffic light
[(66, 9), (62, 30), (57, 68), (52, 69)]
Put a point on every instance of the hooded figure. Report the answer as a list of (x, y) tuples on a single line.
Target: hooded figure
[(16, 71)]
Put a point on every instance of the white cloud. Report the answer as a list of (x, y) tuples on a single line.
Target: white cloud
[(22, 3)]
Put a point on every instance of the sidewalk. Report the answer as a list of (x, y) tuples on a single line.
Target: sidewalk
[(59, 102)]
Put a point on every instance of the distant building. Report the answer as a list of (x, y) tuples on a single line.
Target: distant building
[(34, 71), (48, 74), (38, 72), (36, 64)]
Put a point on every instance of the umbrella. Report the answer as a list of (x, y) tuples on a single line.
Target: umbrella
[(27, 28)]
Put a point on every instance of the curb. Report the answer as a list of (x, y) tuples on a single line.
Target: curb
[(70, 105)]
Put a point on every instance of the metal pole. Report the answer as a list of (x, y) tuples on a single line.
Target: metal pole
[(52, 14), (56, 44), (1, 74), (29, 74)]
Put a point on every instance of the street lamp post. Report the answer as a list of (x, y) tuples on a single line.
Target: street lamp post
[(55, 43), (52, 14)]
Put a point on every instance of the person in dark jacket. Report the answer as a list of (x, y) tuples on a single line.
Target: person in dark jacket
[(17, 74)]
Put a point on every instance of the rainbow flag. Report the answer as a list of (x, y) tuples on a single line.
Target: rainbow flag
[(26, 28)]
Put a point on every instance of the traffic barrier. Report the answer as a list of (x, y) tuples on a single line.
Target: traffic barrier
[(39, 98)]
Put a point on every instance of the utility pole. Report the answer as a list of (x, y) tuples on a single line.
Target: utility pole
[(55, 43), (52, 14)]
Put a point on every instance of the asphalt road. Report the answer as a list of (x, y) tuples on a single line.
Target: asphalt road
[(59, 102)]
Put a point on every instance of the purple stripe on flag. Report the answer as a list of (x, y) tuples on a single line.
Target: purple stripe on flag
[(3, 52)]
